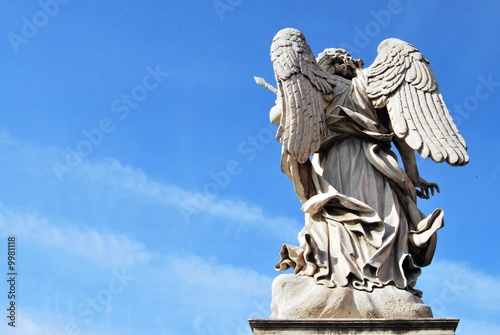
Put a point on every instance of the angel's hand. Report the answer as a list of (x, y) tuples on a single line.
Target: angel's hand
[(426, 188)]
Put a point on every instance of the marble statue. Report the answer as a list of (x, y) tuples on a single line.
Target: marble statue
[(364, 240)]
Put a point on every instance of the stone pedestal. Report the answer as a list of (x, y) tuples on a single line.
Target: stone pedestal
[(299, 297), (421, 326)]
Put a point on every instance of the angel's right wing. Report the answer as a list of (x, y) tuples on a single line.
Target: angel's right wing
[(401, 79), (302, 85)]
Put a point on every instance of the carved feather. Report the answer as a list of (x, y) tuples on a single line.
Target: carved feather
[(301, 84), (401, 79)]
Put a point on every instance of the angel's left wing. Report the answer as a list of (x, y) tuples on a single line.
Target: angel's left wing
[(302, 85), (401, 79)]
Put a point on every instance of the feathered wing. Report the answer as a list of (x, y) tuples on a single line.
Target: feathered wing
[(301, 86), (401, 79)]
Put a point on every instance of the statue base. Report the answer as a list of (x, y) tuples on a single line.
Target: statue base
[(301, 307), (299, 297), (421, 326)]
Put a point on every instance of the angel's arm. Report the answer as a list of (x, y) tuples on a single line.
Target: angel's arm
[(276, 111), (410, 164)]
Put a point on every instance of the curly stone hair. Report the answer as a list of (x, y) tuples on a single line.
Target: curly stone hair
[(339, 62)]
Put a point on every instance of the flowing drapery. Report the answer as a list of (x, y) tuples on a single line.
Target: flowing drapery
[(363, 228)]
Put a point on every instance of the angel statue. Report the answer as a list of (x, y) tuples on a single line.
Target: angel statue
[(364, 240)]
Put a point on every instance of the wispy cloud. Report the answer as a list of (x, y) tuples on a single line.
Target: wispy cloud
[(30, 325), (447, 283), (221, 297), (110, 175), (210, 297), (216, 298), (112, 250), (455, 289)]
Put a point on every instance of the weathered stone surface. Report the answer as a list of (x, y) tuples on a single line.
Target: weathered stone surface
[(353, 326), (296, 297), (364, 241)]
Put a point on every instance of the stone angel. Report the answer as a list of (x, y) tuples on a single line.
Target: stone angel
[(363, 232)]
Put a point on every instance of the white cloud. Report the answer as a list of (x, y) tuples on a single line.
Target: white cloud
[(32, 322), (112, 176), (125, 179), (208, 274), (217, 298), (113, 250), (455, 289), (449, 283), (170, 295), (28, 325), (220, 297)]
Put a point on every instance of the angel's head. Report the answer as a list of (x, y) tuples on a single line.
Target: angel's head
[(339, 62)]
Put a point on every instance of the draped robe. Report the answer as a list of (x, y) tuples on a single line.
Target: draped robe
[(362, 226)]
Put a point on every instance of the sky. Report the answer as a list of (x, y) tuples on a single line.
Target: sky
[(140, 177)]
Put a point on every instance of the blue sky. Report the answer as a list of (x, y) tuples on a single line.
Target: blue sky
[(140, 176)]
